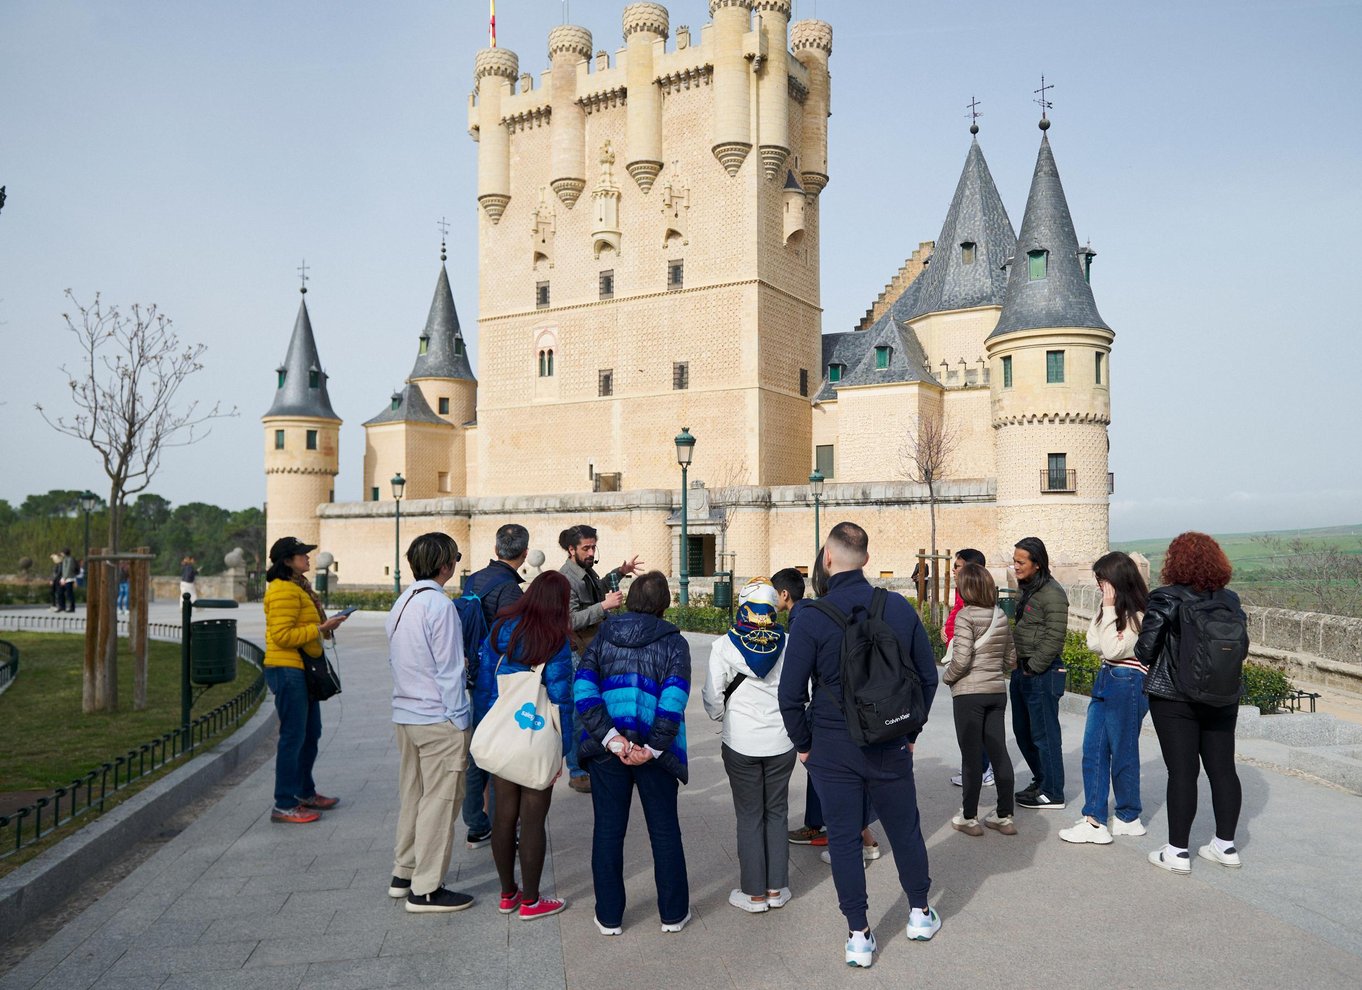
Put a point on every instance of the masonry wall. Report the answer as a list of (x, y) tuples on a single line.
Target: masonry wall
[(297, 480)]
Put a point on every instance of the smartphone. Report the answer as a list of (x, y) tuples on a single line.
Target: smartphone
[(348, 610)]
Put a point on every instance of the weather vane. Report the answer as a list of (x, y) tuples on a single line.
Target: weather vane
[(443, 224), (302, 272), (1044, 104), (974, 115)]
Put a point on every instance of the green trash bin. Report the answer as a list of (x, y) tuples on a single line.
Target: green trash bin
[(212, 651), (320, 581), (723, 590), (1007, 601)]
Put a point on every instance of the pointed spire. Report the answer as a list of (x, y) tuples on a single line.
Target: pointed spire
[(407, 405), (301, 387), (1046, 286), (442, 352), (975, 240)]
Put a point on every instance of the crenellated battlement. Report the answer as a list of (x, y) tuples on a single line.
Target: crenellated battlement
[(650, 18), (569, 39)]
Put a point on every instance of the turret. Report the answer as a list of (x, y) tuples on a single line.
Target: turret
[(773, 86), (1050, 383), (732, 100), (569, 47), (495, 71), (301, 440), (442, 370), (811, 42), (645, 28)]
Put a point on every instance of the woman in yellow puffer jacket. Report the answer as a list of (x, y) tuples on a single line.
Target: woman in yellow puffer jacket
[(294, 620)]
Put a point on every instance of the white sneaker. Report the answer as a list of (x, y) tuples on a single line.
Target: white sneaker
[(925, 927), (861, 949), (779, 899), (1085, 831), (1165, 860), (988, 778), (959, 779), (970, 826), (1119, 827), (740, 900), (826, 856), (1230, 857), (676, 926), (604, 930)]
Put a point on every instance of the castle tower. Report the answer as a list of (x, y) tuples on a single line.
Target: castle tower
[(645, 32), (569, 47), (1051, 385), (495, 73), (732, 91), (811, 42), (301, 440), (773, 105), (409, 438)]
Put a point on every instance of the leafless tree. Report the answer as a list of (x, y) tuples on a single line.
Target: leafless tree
[(725, 492), (1306, 575), (926, 456), (124, 402)]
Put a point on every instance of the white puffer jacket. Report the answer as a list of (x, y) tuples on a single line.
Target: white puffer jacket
[(752, 724)]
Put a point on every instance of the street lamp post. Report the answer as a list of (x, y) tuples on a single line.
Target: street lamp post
[(685, 449), (324, 561), (398, 483), (88, 500), (816, 486)]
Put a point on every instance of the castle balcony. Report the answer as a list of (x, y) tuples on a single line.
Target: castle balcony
[(1052, 480)]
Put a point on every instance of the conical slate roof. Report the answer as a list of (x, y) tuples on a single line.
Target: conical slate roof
[(407, 405), (446, 355), (977, 217), (1063, 297), (297, 395)]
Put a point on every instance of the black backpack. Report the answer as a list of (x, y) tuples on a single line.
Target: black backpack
[(1213, 643), (473, 624), (882, 695)]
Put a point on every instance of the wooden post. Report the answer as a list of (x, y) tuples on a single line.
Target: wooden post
[(90, 693), (138, 576), (108, 628), (920, 577), (94, 577)]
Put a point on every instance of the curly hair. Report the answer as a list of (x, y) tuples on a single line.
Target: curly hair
[(1196, 560)]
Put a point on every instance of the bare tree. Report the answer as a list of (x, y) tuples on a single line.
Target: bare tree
[(724, 495), (926, 458), (1306, 575), (124, 403)]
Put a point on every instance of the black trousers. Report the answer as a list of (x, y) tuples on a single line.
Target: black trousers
[(1193, 735), (980, 728)]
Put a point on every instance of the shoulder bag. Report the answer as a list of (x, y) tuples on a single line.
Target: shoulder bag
[(520, 739)]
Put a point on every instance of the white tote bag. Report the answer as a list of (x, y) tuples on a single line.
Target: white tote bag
[(520, 739)]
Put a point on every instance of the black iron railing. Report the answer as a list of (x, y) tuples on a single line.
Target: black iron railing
[(9, 663), (1289, 701), (1058, 481), (88, 795)]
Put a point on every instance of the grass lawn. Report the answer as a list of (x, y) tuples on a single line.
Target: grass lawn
[(45, 739)]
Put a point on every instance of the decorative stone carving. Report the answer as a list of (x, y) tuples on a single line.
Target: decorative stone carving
[(500, 62), (605, 232), (568, 190), (644, 173), (570, 39), (675, 209), (543, 230), (494, 205), (772, 159), (650, 17), (732, 154), (811, 34)]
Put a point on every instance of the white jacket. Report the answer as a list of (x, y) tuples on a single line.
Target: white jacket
[(752, 724)]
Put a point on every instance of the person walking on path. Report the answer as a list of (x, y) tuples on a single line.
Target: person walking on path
[(844, 772), (982, 658), (432, 714), (591, 600), (531, 632), (1111, 737), (295, 624), (631, 691), (189, 574), (68, 569), (1191, 733), (963, 557), (56, 605), (740, 690), (496, 586), (1038, 682)]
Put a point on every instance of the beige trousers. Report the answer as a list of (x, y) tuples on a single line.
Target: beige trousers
[(430, 787)]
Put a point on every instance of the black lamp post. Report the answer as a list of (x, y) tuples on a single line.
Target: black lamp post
[(88, 501), (399, 483), (685, 450), (816, 486), (324, 561)]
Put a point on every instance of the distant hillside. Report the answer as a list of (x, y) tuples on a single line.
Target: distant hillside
[(1246, 551)]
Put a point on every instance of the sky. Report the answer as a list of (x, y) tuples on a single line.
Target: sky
[(192, 154)]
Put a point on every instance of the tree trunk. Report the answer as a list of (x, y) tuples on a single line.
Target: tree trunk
[(137, 628), (931, 512)]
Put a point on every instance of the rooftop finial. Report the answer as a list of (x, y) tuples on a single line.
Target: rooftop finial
[(302, 273), (974, 115), (443, 224), (1044, 104)]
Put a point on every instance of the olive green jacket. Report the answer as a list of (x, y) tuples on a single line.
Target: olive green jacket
[(1041, 625)]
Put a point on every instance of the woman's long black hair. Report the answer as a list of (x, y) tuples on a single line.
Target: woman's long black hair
[(1132, 594)]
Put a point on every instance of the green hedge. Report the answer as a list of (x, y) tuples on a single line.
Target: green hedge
[(369, 601), (699, 618)]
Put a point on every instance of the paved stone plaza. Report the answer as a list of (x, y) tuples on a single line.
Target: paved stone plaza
[(236, 902)]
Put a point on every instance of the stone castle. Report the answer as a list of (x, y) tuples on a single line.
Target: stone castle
[(649, 259)]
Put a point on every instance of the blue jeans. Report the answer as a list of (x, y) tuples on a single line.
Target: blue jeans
[(575, 768), (1035, 723), (478, 785), (1111, 743), (612, 793), (300, 726), (122, 596)]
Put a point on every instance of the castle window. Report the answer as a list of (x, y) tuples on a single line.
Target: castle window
[(676, 274), (373, 494), (605, 382), (607, 284), (680, 375), (331, 495), (1098, 363), (546, 363), (1057, 477), (278, 439), (823, 460), (442, 481), (967, 253), (458, 346), (311, 439), (424, 346), (444, 406), (1054, 367), (397, 401), (882, 356), (541, 295), (835, 373), (1007, 371), (1036, 261), (282, 373), (314, 378), (803, 381)]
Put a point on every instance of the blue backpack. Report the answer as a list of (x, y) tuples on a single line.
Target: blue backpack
[(475, 628)]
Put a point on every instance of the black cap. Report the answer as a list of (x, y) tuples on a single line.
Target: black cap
[(289, 546)]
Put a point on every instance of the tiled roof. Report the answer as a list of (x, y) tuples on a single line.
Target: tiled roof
[(296, 396), (446, 355), (907, 361), (410, 407), (845, 349)]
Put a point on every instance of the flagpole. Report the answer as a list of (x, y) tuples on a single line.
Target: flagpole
[(492, 24)]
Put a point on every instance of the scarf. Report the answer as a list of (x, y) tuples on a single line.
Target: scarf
[(301, 581), (760, 639)]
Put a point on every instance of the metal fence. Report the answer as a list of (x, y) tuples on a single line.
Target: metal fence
[(89, 794), (9, 664)]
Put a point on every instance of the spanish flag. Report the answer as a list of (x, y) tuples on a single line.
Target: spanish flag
[(492, 25)]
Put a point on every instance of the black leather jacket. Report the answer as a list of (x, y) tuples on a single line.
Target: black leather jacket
[(1157, 647)]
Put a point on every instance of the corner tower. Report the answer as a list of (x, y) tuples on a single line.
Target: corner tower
[(1050, 384), (301, 440)]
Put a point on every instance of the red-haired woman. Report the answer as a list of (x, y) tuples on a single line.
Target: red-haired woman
[(1191, 734), (528, 634)]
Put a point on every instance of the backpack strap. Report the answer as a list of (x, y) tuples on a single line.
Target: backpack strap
[(733, 686), (831, 611), (878, 598), (404, 607)]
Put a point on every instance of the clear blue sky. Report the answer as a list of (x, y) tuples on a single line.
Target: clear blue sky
[(191, 153)]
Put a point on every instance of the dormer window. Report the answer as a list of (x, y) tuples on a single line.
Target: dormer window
[(314, 378), (397, 401), (882, 353), (283, 374), (424, 346), (1036, 264), (458, 347), (967, 253), (835, 373)]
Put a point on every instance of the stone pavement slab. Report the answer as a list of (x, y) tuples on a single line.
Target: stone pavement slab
[(237, 902)]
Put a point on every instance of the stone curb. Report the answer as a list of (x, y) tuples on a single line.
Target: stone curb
[(41, 884)]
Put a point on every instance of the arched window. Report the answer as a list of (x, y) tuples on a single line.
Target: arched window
[(546, 363)]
